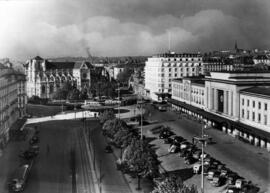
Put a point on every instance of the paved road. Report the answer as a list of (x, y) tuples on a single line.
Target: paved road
[(60, 141), (112, 180), (251, 162)]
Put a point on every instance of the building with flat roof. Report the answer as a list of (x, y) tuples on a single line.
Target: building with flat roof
[(12, 100), (235, 102), (190, 90), (161, 69)]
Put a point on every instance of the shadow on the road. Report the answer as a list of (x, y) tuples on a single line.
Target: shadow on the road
[(184, 173)]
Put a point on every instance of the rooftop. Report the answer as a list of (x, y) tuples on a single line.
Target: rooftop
[(265, 90), (178, 55)]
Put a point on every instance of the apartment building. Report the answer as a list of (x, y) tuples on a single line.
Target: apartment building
[(161, 69), (12, 100)]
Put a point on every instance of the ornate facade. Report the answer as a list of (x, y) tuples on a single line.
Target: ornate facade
[(44, 77)]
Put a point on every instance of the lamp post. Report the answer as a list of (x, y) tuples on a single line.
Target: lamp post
[(202, 140), (118, 101)]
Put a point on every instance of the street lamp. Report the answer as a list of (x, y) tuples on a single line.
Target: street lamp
[(202, 140), (118, 101)]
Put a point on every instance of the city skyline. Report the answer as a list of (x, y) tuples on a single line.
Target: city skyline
[(133, 27)]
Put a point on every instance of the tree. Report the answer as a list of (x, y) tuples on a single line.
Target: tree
[(141, 159), (62, 93), (83, 95), (74, 94), (111, 127), (124, 75), (106, 115), (173, 184)]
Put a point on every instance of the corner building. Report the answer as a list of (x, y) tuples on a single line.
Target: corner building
[(12, 101), (161, 69)]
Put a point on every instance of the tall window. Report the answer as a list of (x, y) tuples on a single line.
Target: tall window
[(243, 113), (248, 103), (259, 117), (253, 116), (259, 105), (247, 114), (253, 104), (243, 101), (265, 106), (265, 119)]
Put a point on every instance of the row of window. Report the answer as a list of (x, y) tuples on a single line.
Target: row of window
[(179, 69), (182, 59), (259, 104), (252, 117), (197, 91), (162, 90), (176, 75)]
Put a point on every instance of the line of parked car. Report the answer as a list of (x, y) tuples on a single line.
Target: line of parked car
[(214, 170), (20, 176)]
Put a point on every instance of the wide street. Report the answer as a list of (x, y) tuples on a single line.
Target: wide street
[(63, 163), (250, 162)]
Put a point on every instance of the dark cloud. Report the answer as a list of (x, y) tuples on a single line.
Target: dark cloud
[(130, 27)]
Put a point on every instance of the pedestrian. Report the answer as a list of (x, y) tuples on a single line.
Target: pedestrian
[(48, 149)]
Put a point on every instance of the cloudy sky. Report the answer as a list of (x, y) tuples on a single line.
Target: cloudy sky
[(130, 27)]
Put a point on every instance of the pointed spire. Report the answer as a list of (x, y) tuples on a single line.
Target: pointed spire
[(235, 46)]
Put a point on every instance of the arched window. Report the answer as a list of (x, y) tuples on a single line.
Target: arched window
[(43, 89), (51, 88)]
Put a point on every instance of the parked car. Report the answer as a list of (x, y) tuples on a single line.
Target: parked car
[(178, 139), (232, 190), (218, 180), (34, 140), (212, 173), (168, 140), (28, 155), (184, 145), (224, 172), (249, 187), (207, 161), (231, 178), (239, 183), (34, 149), (190, 160), (197, 154), (108, 149), (165, 133), (174, 148)]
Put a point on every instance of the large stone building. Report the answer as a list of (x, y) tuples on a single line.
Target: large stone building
[(235, 102), (44, 77), (161, 69), (12, 100)]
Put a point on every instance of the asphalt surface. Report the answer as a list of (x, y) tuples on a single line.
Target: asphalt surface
[(253, 163), (112, 181), (62, 165)]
